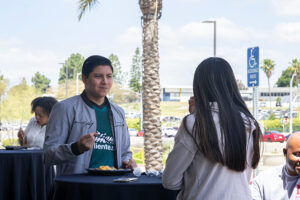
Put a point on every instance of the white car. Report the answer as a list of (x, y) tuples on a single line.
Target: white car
[(132, 132), (169, 132)]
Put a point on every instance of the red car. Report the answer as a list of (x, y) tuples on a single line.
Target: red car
[(273, 136), (140, 133)]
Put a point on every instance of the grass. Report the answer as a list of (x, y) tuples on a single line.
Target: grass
[(178, 109)]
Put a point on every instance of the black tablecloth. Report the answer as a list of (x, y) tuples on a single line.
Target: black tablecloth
[(23, 175), (85, 186)]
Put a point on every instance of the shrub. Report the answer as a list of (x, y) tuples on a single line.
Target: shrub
[(277, 125), (8, 142), (133, 123)]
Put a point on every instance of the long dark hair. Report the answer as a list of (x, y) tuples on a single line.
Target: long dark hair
[(214, 81)]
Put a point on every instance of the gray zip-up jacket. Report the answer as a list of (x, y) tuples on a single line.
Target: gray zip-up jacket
[(69, 120)]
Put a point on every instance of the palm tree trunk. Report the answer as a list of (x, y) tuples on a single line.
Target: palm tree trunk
[(151, 85), (269, 94)]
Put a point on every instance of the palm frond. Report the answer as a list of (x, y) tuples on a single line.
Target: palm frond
[(83, 5), (268, 67)]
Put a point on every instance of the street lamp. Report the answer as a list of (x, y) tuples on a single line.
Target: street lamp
[(78, 74), (291, 116), (66, 77), (215, 32)]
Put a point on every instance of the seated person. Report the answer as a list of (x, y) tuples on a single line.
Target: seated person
[(281, 182), (34, 134)]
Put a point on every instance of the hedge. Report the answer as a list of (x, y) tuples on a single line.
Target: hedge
[(277, 124), (133, 123)]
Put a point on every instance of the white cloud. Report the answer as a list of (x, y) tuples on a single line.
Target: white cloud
[(193, 1), (131, 36), (226, 30), (17, 63), (183, 48), (288, 31), (286, 7), (10, 41)]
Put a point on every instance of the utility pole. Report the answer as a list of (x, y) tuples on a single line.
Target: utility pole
[(66, 81), (77, 76), (214, 22), (291, 106)]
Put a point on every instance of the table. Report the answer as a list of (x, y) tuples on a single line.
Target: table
[(23, 175), (85, 186)]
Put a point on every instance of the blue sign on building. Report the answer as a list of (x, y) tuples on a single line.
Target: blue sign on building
[(253, 66)]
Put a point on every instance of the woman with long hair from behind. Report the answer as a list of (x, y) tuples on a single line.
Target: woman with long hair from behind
[(216, 146)]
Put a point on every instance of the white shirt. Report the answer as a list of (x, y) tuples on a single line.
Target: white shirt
[(35, 134), (196, 177), (276, 184)]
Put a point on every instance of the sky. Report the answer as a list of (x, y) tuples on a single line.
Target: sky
[(37, 35)]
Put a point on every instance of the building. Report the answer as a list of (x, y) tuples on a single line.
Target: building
[(183, 93), (176, 93)]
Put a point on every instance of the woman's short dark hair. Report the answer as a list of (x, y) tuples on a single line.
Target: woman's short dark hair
[(46, 103), (93, 61), (214, 81)]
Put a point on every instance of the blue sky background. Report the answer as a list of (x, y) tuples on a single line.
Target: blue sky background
[(37, 35)]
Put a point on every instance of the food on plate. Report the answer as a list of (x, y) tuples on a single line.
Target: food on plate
[(106, 167)]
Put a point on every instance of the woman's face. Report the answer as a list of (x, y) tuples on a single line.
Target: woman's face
[(41, 116)]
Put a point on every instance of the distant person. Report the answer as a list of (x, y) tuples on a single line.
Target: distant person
[(87, 130), (191, 104), (216, 146), (34, 134), (281, 182)]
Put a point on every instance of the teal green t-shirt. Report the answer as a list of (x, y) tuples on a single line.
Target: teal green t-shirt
[(103, 150)]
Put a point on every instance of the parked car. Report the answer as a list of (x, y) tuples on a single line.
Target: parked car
[(132, 115), (273, 136), (140, 133), (262, 104), (132, 132), (278, 114), (169, 132), (288, 135)]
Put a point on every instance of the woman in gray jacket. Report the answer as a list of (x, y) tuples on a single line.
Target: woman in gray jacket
[(217, 146)]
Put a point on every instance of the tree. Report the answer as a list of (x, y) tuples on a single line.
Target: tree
[(286, 75), (151, 10), (284, 79), (40, 82), (3, 84), (268, 68), (17, 104), (119, 76), (74, 64), (295, 65), (136, 72)]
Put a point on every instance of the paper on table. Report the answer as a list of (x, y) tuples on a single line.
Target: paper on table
[(125, 180)]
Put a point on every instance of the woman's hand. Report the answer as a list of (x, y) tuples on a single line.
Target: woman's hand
[(22, 138), (191, 104)]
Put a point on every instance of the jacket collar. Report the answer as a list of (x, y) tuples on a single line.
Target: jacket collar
[(90, 103)]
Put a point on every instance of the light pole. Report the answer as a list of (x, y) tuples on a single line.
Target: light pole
[(291, 96), (77, 76), (66, 77), (215, 33)]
